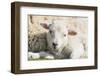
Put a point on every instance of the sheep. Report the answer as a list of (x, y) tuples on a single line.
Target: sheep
[(62, 42)]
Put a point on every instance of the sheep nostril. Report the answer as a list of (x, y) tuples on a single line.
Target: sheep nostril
[(54, 44)]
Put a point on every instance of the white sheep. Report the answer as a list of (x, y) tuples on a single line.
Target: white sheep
[(63, 42)]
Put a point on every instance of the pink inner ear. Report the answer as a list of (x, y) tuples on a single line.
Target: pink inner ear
[(44, 25), (71, 32)]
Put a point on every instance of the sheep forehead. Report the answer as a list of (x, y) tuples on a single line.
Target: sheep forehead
[(58, 25)]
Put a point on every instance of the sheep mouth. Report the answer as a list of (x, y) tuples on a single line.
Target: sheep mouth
[(55, 47), (56, 50)]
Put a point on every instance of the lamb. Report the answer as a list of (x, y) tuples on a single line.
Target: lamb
[(63, 42)]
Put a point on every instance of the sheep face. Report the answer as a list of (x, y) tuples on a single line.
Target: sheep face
[(57, 35)]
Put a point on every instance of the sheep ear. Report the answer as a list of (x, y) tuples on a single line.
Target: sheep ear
[(71, 32), (46, 26)]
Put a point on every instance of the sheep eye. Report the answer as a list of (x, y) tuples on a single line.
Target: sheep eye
[(64, 34)]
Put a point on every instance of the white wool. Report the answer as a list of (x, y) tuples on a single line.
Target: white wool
[(74, 43), (76, 46)]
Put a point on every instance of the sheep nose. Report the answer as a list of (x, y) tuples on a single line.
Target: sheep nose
[(54, 44)]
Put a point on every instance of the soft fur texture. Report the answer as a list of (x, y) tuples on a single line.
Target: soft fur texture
[(67, 45)]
